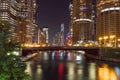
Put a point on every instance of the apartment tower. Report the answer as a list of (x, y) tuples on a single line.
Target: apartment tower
[(9, 11), (27, 20), (108, 22), (21, 15), (81, 20)]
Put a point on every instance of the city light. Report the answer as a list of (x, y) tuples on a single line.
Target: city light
[(105, 37), (84, 19), (110, 9), (112, 36), (100, 38)]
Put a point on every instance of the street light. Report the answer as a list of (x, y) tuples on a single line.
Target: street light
[(105, 38), (100, 40), (112, 36), (118, 41), (112, 39)]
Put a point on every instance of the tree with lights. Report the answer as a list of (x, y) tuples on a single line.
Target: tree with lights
[(11, 66)]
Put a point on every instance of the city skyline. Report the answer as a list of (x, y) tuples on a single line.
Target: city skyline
[(85, 21), (52, 14)]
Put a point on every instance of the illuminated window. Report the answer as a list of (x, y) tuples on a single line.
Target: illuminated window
[(3, 5), (12, 11)]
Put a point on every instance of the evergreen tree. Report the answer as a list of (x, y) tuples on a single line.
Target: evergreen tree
[(11, 66)]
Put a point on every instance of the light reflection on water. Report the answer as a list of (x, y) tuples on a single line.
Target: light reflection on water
[(107, 73), (72, 70)]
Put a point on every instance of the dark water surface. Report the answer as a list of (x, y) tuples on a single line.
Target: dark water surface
[(73, 70)]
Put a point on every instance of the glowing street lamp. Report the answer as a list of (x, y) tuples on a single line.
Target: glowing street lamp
[(112, 39), (112, 36), (105, 38), (118, 40), (100, 40)]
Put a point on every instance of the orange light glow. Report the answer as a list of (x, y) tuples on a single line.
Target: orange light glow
[(107, 73)]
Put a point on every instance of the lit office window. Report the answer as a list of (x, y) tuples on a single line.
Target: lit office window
[(12, 21), (13, 11), (4, 15), (3, 5)]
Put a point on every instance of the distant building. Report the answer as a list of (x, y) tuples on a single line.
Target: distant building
[(62, 35), (45, 31), (108, 22), (82, 23), (56, 40), (40, 36)]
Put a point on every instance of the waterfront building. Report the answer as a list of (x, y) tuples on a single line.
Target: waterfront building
[(27, 12), (21, 16), (82, 21), (9, 11), (108, 22)]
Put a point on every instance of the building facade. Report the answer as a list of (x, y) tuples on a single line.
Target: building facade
[(27, 20), (82, 24), (108, 22), (40, 37), (9, 11), (21, 15)]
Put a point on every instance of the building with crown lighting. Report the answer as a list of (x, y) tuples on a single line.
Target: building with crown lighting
[(108, 22), (82, 20)]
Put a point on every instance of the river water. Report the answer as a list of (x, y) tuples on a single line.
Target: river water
[(77, 69)]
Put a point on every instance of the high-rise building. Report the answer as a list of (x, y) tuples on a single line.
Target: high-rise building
[(108, 22), (9, 11), (21, 15), (27, 11), (82, 24), (40, 36), (62, 35)]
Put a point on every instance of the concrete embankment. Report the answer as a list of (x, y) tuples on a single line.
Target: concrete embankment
[(106, 54)]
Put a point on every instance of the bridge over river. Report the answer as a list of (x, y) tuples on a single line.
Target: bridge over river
[(90, 50), (69, 63)]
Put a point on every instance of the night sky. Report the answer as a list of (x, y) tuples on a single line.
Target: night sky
[(52, 13)]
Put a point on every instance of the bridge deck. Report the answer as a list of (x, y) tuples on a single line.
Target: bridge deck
[(90, 50), (59, 48)]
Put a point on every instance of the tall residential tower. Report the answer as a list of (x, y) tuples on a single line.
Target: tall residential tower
[(27, 20), (108, 22), (82, 23), (21, 15)]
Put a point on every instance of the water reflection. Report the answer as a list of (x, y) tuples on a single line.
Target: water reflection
[(70, 69), (92, 71), (106, 72)]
